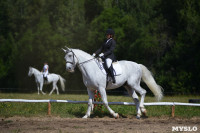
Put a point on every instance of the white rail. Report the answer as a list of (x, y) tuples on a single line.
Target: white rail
[(173, 104), (85, 102)]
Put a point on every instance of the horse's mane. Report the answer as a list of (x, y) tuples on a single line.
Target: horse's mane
[(35, 69), (82, 53)]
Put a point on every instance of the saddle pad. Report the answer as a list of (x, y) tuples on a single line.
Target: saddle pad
[(117, 70)]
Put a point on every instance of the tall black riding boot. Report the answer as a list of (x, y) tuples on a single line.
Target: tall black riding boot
[(112, 74), (45, 79)]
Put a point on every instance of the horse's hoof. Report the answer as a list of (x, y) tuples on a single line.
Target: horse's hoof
[(138, 116), (116, 115), (85, 117), (144, 111)]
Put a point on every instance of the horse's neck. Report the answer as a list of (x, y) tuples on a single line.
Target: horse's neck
[(82, 56), (36, 72)]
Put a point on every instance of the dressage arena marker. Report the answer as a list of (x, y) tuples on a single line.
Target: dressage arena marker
[(173, 104)]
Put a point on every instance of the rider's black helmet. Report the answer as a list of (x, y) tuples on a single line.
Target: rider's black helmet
[(110, 32)]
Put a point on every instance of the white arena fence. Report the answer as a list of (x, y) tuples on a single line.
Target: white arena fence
[(173, 104)]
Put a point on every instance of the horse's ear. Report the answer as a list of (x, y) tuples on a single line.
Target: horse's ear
[(68, 49), (64, 50)]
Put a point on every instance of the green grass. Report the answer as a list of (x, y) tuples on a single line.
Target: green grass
[(8, 109)]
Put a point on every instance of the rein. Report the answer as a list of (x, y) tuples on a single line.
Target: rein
[(85, 61)]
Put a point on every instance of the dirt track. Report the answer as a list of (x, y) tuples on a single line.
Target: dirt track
[(93, 125)]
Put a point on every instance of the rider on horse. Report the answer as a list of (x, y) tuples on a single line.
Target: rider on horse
[(106, 51), (45, 71)]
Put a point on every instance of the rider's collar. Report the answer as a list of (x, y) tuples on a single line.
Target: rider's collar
[(108, 40)]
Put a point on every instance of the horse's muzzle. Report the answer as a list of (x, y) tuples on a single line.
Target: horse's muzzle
[(69, 69)]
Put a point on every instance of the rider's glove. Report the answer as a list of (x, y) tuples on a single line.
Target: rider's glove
[(93, 54), (101, 55)]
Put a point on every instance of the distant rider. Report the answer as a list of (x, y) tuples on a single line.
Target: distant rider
[(107, 50), (45, 71)]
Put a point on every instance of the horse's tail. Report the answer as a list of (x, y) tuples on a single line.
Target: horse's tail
[(151, 83), (62, 82)]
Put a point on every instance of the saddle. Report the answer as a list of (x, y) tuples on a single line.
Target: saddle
[(117, 70)]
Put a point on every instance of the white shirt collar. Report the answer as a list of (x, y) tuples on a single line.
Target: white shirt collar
[(108, 40)]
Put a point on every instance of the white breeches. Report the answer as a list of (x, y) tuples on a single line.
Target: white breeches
[(108, 62), (45, 73)]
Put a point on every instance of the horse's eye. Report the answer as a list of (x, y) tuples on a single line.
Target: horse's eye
[(70, 55)]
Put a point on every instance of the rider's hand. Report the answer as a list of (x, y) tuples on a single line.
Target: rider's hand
[(101, 55), (93, 54)]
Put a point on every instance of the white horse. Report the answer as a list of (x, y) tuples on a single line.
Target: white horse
[(51, 78), (94, 79)]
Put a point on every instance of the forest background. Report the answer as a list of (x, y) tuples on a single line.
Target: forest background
[(164, 35)]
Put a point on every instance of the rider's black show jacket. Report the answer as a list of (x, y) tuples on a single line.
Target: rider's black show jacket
[(107, 49)]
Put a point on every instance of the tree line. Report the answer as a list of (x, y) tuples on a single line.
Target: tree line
[(162, 35)]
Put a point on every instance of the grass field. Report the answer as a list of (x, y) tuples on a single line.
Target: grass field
[(8, 109)]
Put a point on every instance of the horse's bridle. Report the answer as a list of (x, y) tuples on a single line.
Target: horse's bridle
[(73, 63)]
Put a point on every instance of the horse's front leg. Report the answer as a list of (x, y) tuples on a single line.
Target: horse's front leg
[(41, 85), (90, 104), (105, 102)]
